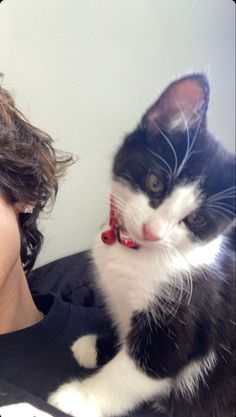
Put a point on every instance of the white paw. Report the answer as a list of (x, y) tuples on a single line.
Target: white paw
[(73, 399), (84, 351)]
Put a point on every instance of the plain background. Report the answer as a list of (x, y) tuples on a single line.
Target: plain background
[(86, 70)]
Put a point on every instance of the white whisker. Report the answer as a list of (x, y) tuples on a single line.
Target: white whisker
[(221, 208), (219, 212), (227, 193), (169, 172), (172, 148), (187, 153), (176, 284), (189, 149)]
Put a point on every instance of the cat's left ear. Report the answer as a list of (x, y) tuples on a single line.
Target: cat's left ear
[(183, 104)]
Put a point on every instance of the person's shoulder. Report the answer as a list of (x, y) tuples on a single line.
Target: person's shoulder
[(75, 319), (70, 277)]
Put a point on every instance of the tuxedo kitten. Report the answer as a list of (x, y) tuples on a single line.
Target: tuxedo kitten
[(165, 264)]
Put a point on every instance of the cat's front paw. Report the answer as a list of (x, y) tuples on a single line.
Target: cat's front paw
[(85, 352), (72, 398)]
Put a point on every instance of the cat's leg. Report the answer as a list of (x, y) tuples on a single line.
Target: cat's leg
[(93, 350), (118, 387)]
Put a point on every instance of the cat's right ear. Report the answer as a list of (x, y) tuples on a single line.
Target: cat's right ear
[(182, 105)]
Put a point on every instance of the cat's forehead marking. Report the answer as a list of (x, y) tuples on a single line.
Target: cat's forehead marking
[(183, 200)]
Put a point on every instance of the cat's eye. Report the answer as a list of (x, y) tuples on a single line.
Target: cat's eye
[(197, 219), (154, 184)]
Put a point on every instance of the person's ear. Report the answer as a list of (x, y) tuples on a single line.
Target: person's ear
[(24, 207)]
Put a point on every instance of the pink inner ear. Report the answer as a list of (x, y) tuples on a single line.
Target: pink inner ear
[(186, 97)]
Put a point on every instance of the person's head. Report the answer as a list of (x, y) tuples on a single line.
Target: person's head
[(29, 172)]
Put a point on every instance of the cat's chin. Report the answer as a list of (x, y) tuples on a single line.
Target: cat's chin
[(158, 247)]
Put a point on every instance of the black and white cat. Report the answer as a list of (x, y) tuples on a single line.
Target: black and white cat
[(167, 270)]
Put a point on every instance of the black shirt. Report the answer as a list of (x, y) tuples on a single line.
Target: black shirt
[(36, 360)]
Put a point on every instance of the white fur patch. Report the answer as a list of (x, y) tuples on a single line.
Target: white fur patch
[(188, 379), (136, 211), (71, 398), (205, 254), (117, 388), (84, 351), (128, 280)]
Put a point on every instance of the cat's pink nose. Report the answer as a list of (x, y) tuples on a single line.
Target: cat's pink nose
[(149, 234)]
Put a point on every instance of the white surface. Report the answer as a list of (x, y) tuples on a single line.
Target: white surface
[(22, 409), (85, 71)]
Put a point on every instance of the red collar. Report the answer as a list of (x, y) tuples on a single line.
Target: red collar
[(117, 231)]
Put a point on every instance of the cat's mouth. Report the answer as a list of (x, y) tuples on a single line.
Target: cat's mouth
[(144, 237)]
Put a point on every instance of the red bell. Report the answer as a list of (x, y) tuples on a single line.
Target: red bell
[(108, 237)]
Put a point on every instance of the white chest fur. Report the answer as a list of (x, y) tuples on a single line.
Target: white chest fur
[(131, 280), (123, 278)]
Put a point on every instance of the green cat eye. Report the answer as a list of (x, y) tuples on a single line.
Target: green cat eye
[(197, 219), (154, 184)]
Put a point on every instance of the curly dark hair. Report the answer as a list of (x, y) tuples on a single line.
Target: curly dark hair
[(30, 168)]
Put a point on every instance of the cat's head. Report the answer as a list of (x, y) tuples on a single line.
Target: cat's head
[(173, 182)]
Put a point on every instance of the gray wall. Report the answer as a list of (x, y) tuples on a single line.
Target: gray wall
[(85, 71)]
